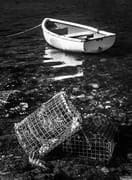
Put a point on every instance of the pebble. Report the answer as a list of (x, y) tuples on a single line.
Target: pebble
[(93, 102), (82, 97), (90, 97), (7, 115), (93, 94), (72, 97), (10, 155), (22, 113), (103, 60), (75, 89), (87, 115), (18, 157), (100, 106), (126, 178), (81, 108), (123, 124), (107, 107), (94, 85), (122, 115), (40, 177), (105, 170), (107, 102), (129, 156), (24, 106)]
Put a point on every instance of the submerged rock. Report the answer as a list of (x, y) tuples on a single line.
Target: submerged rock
[(94, 85), (103, 60)]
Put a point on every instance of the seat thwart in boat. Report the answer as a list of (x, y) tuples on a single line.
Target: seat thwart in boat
[(75, 37), (78, 34)]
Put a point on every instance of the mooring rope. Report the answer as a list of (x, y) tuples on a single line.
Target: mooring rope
[(22, 32)]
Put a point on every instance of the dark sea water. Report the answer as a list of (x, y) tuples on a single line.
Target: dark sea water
[(21, 57), (28, 64)]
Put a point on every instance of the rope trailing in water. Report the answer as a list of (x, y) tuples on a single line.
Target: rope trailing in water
[(22, 32)]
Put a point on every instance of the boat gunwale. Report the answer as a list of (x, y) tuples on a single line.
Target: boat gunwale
[(107, 34)]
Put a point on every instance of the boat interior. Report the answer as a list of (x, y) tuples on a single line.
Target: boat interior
[(72, 31)]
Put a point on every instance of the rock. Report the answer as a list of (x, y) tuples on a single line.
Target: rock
[(85, 115), (43, 176), (24, 106), (72, 97), (94, 92), (122, 115), (82, 97), (100, 106), (75, 89), (129, 156), (126, 178), (94, 85), (93, 102), (107, 107), (90, 97), (107, 102), (7, 115), (103, 60), (81, 108), (105, 170)]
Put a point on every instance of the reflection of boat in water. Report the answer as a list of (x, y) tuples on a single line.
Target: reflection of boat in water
[(64, 60), (59, 78), (75, 37), (58, 60)]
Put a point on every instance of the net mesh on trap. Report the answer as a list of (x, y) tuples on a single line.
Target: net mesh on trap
[(95, 147), (99, 123), (48, 126)]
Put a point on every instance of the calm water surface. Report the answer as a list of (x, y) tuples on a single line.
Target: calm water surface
[(27, 63)]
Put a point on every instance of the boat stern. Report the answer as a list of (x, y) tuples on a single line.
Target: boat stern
[(99, 44)]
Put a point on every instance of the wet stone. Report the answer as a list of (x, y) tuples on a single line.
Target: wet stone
[(103, 60), (43, 177), (100, 106), (107, 107), (101, 72), (94, 85), (90, 97)]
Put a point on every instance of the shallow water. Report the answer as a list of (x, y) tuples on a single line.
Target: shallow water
[(29, 49), (28, 64)]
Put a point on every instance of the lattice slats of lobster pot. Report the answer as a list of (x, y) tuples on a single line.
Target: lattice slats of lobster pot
[(101, 125), (95, 148), (49, 125)]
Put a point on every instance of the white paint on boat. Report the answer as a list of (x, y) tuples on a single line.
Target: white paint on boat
[(75, 37)]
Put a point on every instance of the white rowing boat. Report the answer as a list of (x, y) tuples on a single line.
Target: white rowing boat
[(75, 37)]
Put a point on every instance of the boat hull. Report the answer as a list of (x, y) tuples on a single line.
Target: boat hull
[(99, 45), (67, 43), (63, 43)]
